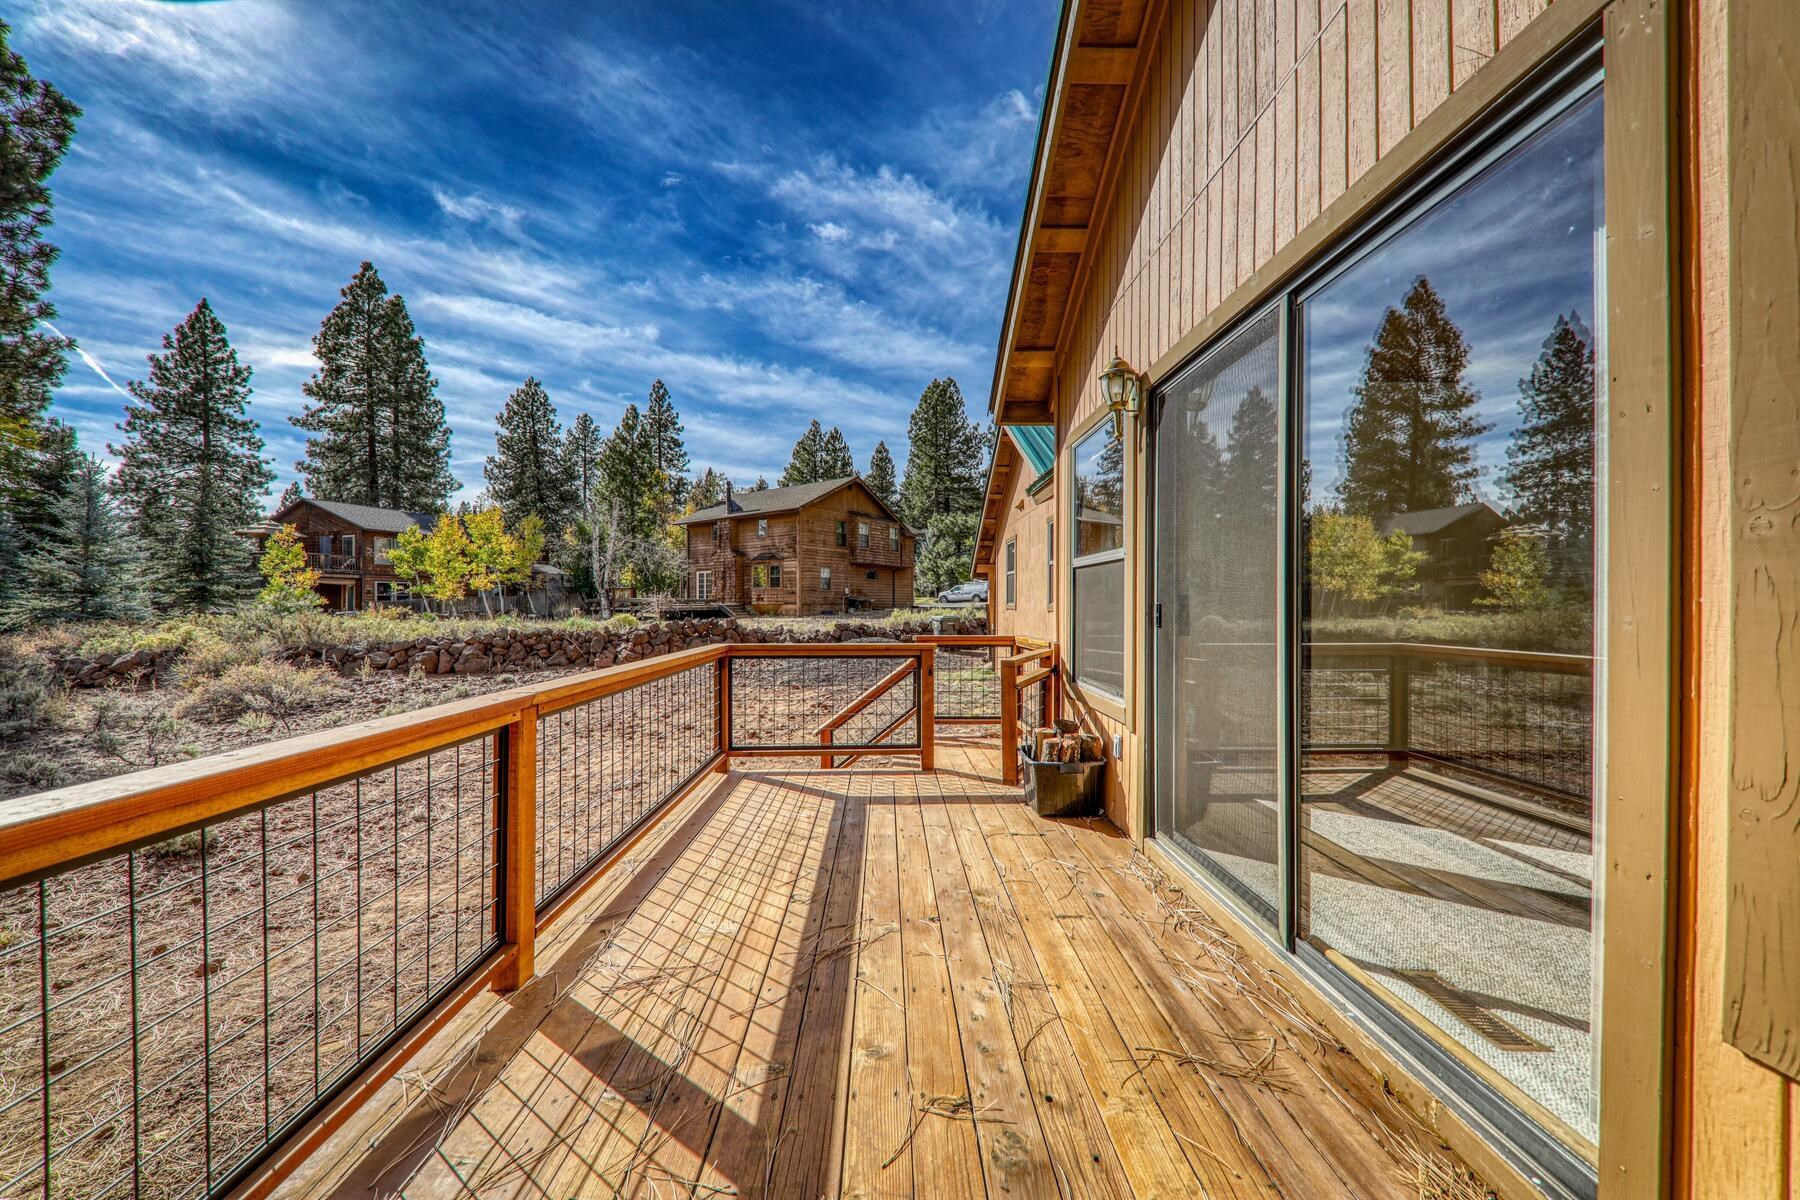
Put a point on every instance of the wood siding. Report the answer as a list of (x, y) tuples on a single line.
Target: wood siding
[(1033, 612)]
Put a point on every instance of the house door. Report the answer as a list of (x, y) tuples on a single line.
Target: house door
[(1401, 784), (1218, 657), (703, 585)]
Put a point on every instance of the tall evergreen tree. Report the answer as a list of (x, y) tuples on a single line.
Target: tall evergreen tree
[(43, 477), (529, 473), (289, 494), (761, 484), (707, 490), (803, 463), (191, 467), (381, 434), (944, 457), (1550, 463), (89, 572), (835, 461), (881, 476), (581, 459), (662, 440), (1409, 440), (36, 124)]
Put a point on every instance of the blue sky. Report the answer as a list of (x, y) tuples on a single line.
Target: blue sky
[(784, 210)]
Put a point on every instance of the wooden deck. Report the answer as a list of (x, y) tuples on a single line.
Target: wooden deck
[(883, 983)]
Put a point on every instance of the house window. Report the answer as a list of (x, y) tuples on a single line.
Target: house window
[(762, 527), (1050, 562), (842, 535), (384, 550), (703, 585), (894, 539), (824, 579), (862, 535), (349, 547), (759, 576), (1097, 575), (388, 592), (1012, 572)]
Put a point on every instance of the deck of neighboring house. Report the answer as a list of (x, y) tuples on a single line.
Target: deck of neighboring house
[(882, 982)]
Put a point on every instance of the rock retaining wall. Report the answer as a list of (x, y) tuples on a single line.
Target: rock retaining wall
[(527, 649)]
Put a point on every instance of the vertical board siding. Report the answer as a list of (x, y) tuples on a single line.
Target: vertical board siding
[(1334, 110), (1430, 53), (1394, 72), (1360, 86), (1474, 32)]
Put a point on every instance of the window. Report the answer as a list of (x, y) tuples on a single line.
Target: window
[(762, 527), (1050, 562), (384, 550), (703, 585), (349, 547), (824, 579), (1012, 571), (388, 592), (862, 535), (1097, 576), (894, 539), (843, 538), (775, 575), (759, 576)]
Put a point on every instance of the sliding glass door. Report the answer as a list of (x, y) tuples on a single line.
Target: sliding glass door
[(1376, 717), (1218, 455)]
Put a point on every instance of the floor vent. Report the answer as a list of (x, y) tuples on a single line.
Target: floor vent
[(1464, 1008)]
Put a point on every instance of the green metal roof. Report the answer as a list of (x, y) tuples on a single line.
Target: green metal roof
[(1038, 444)]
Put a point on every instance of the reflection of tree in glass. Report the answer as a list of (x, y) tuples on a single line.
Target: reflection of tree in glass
[(1249, 475), (1550, 464), (1101, 490), (1516, 574), (1346, 559), (1409, 438)]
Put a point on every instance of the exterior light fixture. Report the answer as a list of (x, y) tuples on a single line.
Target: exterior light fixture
[(1122, 385)]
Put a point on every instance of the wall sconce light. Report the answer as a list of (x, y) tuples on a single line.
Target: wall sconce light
[(1122, 386)]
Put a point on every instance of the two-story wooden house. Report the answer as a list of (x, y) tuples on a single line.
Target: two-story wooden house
[(813, 548), (349, 545)]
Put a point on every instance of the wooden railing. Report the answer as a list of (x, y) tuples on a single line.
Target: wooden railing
[(334, 564), (1517, 716), (1028, 698), (208, 965)]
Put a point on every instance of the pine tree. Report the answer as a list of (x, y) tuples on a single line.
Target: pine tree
[(662, 441), (191, 468), (761, 484), (949, 545), (88, 573), (1550, 463), (803, 463), (835, 460), (529, 472), (1409, 440), (48, 474), (382, 437), (706, 491), (881, 477), (36, 125), (289, 495), (581, 460), (944, 457)]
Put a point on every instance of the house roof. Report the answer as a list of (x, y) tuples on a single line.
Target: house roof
[(1432, 520), (781, 500), (364, 516), (1038, 444)]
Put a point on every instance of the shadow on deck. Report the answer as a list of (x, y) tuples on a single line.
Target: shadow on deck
[(888, 983)]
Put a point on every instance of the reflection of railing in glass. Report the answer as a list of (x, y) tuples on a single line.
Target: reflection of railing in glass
[(1518, 716)]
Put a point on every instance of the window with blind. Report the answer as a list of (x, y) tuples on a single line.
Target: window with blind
[(1097, 570)]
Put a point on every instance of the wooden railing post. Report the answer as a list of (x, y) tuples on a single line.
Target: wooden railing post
[(723, 692), (1399, 706), (1009, 722), (518, 803), (928, 708)]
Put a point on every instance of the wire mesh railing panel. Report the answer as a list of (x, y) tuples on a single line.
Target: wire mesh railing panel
[(1034, 706), (1527, 724), (607, 765), (168, 1013), (968, 683), (1343, 705), (781, 702)]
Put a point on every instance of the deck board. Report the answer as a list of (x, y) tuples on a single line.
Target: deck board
[(878, 983)]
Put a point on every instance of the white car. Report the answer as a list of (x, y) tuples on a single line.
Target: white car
[(975, 591)]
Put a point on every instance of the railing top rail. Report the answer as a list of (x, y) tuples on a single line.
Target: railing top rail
[(73, 824), (966, 639), (828, 649), (1026, 680), (1572, 663)]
